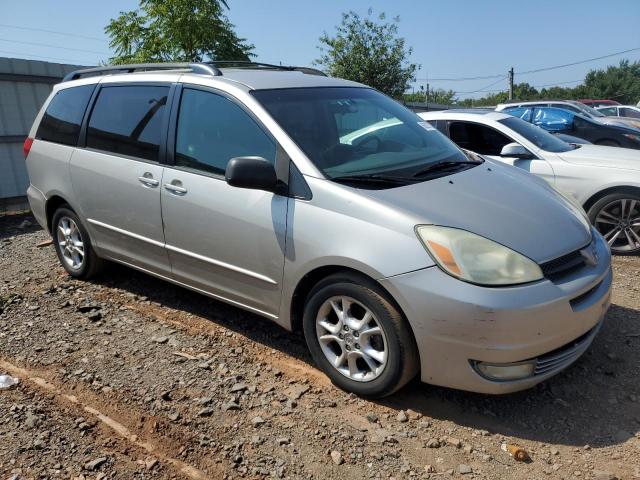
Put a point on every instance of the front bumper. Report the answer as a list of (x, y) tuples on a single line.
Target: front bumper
[(456, 323)]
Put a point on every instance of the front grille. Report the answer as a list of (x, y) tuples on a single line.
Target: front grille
[(564, 265), (563, 356)]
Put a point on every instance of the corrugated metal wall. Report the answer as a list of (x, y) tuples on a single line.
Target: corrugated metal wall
[(24, 86)]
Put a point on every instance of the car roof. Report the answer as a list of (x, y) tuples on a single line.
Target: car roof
[(515, 103), (465, 114), (250, 77)]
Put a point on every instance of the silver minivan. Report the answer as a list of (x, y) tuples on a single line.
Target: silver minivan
[(327, 207)]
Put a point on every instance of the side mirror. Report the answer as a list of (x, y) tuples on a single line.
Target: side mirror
[(255, 173), (515, 150)]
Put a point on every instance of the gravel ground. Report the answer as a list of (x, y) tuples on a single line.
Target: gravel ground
[(131, 377)]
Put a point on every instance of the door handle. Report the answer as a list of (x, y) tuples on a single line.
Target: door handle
[(148, 180), (173, 188)]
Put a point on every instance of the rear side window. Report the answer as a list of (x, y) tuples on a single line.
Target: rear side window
[(128, 120), (63, 117), (629, 112), (212, 130)]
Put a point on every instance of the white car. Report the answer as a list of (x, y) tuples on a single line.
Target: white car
[(605, 181), (628, 111)]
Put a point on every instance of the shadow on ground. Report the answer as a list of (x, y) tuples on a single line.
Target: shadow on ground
[(594, 402), (14, 225)]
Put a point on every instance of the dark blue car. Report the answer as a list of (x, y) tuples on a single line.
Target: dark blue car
[(557, 120)]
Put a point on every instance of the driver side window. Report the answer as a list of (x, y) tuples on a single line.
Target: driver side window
[(478, 138), (212, 130)]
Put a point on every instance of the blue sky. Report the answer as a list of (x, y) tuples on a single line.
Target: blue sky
[(450, 39)]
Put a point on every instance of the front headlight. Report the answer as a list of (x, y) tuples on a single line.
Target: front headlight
[(476, 259)]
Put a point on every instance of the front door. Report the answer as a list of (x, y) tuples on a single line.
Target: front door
[(488, 141), (117, 177), (224, 240)]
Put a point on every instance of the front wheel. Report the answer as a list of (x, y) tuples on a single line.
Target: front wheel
[(617, 218), (358, 337)]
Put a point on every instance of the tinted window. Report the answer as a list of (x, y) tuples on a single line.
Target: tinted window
[(212, 130), (61, 121), (478, 138), (536, 135), (609, 111), (566, 106), (629, 112), (521, 112), (128, 120), (355, 131)]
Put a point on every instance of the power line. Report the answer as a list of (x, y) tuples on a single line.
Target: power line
[(53, 46), (544, 69), (486, 86), (578, 63), (86, 37), (534, 86), (460, 79), (76, 62)]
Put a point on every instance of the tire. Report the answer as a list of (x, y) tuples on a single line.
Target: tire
[(607, 216), (376, 379), (66, 219), (608, 143)]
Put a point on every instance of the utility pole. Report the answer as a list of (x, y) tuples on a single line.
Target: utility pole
[(511, 83), (427, 94)]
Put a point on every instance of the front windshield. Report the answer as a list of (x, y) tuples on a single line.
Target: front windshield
[(589, 111), (348, 131), (536, 135)]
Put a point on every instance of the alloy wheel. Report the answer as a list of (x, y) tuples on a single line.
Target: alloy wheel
[(70, 243), (351, 338), (619, 224)]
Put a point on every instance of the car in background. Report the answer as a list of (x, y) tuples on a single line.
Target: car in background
[(604, 181), (576, 107), (557, 120), (597, 103), (628, 111)]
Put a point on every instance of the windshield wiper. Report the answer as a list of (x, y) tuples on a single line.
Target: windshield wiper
[(374, 178), (444, 165)]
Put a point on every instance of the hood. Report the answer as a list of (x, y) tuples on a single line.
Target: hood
[(620, 122), (601, 156), (499, 202)]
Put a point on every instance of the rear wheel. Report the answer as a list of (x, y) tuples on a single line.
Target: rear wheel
[(617, 218), (73, 245), (358, 337)]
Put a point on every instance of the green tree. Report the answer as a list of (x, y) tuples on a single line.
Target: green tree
[(621, 83), (369, 51), (176, 30), (439, 96)]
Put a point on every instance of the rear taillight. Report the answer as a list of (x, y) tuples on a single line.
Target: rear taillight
[(26, 147)]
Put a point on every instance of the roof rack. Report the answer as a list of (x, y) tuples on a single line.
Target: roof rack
[(251, 64), (204, 68)]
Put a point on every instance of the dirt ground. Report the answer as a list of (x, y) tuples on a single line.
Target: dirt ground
[(129, 377)]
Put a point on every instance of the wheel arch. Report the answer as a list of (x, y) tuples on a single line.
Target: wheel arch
[(53, 203), (313, 277), (608, 191)]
